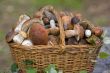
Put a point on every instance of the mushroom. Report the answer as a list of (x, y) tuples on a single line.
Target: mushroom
[(97, 31), (70, 33), (50, 15), (29, 22), (79, 31), (76, 19), (88, 33), (66, 22), (10, 35), (27, 42), (18, 38), (52, 24), (22, 19), (38, 34)]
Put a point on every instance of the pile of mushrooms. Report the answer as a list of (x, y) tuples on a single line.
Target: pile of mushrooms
[(42, 29), (77, 29)]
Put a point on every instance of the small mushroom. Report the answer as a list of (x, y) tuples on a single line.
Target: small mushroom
[(10, 35), (38, 34), (18, 38), (79, 31), (22, 19), (97, 31), (50, 15), (66, 21), (88, 33), (52, 24), (27, 43)]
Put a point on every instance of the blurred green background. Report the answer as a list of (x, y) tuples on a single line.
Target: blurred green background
[(97, 11)]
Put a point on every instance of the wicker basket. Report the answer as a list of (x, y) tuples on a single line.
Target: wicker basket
[(69, 58)]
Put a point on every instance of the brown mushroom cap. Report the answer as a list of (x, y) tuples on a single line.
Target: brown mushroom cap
[(79, 30), (38, 34), (97, 31)]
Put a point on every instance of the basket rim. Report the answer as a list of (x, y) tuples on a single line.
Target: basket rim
[(15, 45)]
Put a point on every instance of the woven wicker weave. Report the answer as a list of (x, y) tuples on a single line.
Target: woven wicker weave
[(69, 58)]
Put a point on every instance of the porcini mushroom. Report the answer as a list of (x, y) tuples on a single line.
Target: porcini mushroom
[(97, 31), (70, 33), (79, 31), (66, 21), (29, 22), (38, 34), (10, 35), (22, 19), (18, 38), (50, 15)]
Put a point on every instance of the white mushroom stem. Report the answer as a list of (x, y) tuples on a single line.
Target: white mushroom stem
[(27, 43), (70, 33), (18, 38), (22, 19), (52, 24)]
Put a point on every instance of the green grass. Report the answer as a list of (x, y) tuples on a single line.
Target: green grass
[(2, 34), (74, 4)]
